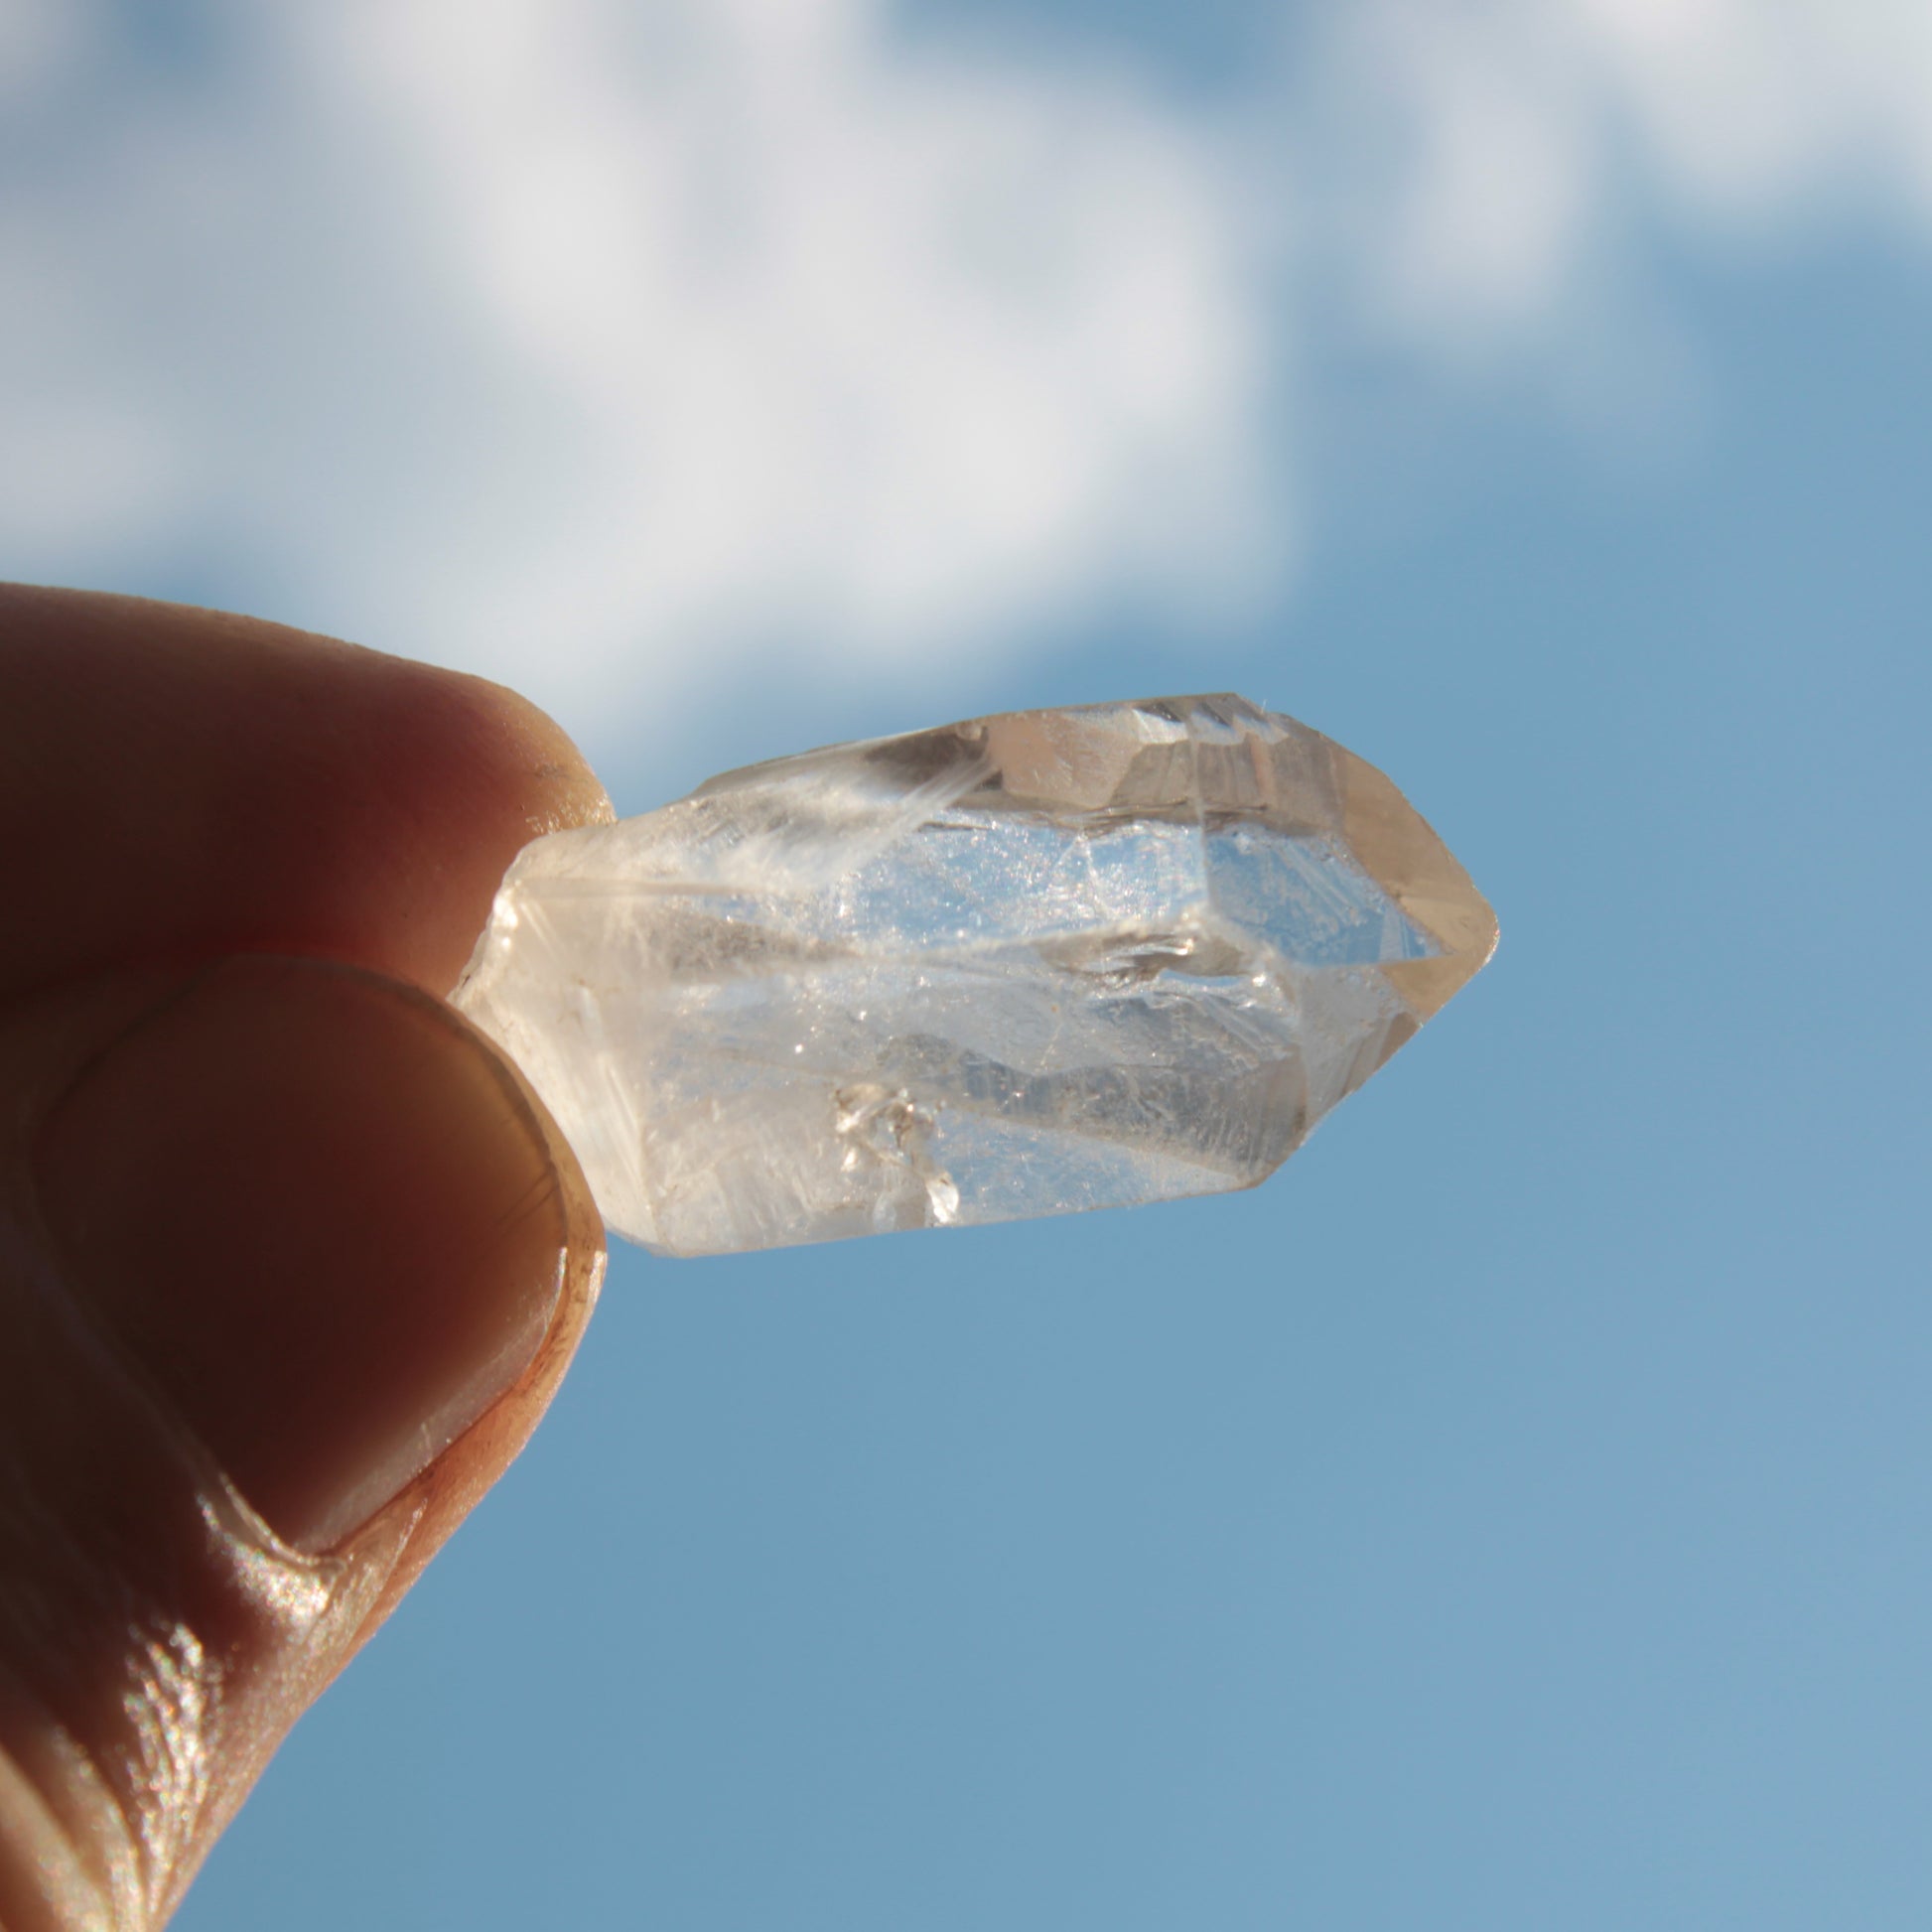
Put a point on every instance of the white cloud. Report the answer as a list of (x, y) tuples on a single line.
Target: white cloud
[(1747, 107), (611, 343), (598, 343), (1515, 144)]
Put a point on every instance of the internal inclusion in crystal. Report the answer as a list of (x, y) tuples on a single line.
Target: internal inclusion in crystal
[(1025, 965)]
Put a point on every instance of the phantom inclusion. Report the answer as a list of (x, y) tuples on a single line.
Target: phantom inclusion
[(1025, 965)]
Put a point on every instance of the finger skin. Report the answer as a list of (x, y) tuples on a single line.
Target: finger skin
[(185, 786), (181, 780)]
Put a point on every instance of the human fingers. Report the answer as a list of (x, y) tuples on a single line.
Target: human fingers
[(290, 1259), (190, 783)]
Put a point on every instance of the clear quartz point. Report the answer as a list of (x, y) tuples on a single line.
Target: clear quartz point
[(1025, 965)]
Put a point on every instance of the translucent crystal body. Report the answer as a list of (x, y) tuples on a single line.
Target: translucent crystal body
[(1025, 965)]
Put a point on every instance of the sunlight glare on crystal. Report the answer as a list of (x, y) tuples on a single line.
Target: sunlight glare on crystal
[(1028, 964)]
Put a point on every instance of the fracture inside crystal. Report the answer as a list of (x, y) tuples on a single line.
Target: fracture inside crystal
[(1025, 965)]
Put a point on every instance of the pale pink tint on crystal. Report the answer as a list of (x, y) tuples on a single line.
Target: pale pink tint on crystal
[(1025, 965)]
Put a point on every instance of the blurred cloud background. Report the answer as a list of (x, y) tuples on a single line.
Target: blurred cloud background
[(616, 347), (1516, 1514)]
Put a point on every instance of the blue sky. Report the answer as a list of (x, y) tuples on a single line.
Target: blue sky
[(1513, 1515)]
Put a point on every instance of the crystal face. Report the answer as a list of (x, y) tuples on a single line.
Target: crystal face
[(1025, 965)]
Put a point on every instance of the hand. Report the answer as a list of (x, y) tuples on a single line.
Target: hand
[(291, 1260)]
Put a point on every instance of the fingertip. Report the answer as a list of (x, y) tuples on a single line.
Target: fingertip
[(326, 1217), (278, 1240), (462, 773), (557, 787), (201, 782)]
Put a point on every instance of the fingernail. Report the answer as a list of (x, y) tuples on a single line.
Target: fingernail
[(323, 1217)]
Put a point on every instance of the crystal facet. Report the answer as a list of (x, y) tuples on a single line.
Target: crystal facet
[(1025, 965)]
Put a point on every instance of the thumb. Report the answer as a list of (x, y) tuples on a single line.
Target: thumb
[(290, 1261)]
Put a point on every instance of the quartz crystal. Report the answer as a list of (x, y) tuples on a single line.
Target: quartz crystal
[(1033, 963)]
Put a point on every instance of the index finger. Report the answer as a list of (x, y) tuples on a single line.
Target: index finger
[(185, 782)]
